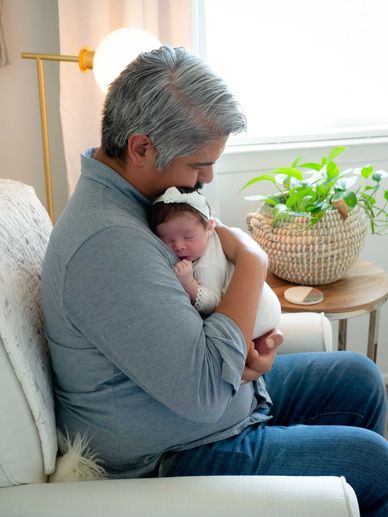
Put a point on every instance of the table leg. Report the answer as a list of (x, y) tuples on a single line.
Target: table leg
[(342, 332), (373, 334)]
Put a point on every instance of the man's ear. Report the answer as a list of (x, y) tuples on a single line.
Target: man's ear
[(137, 148)]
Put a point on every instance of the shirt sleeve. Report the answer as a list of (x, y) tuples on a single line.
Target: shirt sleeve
[(122, 295)]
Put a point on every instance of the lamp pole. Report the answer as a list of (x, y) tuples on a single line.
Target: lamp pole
[(85, 61)]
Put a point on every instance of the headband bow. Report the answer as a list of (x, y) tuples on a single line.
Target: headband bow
[(194, 199)]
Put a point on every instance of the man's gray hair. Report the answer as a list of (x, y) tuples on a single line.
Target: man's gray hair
[(172, 97)]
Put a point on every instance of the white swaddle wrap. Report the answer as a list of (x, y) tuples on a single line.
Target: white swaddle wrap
[(213, 273)]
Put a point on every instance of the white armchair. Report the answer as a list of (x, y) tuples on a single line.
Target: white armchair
[(28, 441)]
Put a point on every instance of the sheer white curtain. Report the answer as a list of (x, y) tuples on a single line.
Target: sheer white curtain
[(3, 47), (84, 24)]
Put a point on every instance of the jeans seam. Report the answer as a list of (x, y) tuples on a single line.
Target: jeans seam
[(359, 415)]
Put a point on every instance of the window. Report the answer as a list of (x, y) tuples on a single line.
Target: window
[(301, 69)]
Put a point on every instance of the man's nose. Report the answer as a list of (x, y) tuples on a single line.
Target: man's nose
[(206, 174)]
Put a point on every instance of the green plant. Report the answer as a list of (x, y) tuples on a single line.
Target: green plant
[(312, 189)]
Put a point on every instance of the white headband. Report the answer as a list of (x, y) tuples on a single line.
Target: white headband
[(194, 199)]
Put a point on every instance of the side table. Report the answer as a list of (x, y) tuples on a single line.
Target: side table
[(363, 290)]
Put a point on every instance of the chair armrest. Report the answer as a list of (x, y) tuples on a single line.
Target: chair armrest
[(305, 332), (217, 496)]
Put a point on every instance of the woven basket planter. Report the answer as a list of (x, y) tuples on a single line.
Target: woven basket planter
[(314, 256)]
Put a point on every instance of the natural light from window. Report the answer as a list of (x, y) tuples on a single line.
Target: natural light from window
[(303, 69)]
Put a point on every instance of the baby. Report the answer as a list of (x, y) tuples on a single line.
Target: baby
[(182, 219)]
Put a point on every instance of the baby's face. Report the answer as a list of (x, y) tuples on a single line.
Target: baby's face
[(186, 235)]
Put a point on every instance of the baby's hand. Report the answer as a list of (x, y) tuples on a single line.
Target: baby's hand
[(184, 272)]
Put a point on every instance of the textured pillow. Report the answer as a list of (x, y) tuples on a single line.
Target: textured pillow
[(24, 231), (21, 459)]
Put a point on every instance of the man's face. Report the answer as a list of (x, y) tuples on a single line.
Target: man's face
[(191, 171)]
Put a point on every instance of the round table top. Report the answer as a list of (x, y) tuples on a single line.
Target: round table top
[(363, 287)]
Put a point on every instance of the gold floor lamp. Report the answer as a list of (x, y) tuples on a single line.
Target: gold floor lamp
[(113, 53)]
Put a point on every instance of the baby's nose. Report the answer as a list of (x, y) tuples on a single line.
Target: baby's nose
[(179, 245)]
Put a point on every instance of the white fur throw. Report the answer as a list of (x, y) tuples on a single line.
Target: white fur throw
[(24, 231), (77, 463)]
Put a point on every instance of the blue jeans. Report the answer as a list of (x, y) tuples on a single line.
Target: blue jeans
[(329, 415)]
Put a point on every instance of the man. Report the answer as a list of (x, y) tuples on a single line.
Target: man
[(157, 389)]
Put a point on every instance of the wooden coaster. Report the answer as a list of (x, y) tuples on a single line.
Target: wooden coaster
[(303, 295)]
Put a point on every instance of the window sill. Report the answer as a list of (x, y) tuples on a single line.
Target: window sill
[(252, 146)]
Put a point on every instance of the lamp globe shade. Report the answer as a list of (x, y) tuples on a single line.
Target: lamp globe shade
[(117, 49)]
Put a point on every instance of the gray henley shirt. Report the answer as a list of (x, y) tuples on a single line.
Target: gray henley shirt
[(136, 369)]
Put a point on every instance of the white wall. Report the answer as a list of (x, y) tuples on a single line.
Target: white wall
[(239, 165), (30, 26)]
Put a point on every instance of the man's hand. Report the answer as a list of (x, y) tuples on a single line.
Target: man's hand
[(261, 355)]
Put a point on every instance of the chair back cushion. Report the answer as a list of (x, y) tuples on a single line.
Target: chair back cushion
[(28, 444)]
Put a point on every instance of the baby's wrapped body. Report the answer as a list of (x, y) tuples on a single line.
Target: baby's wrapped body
[(213, 273)]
